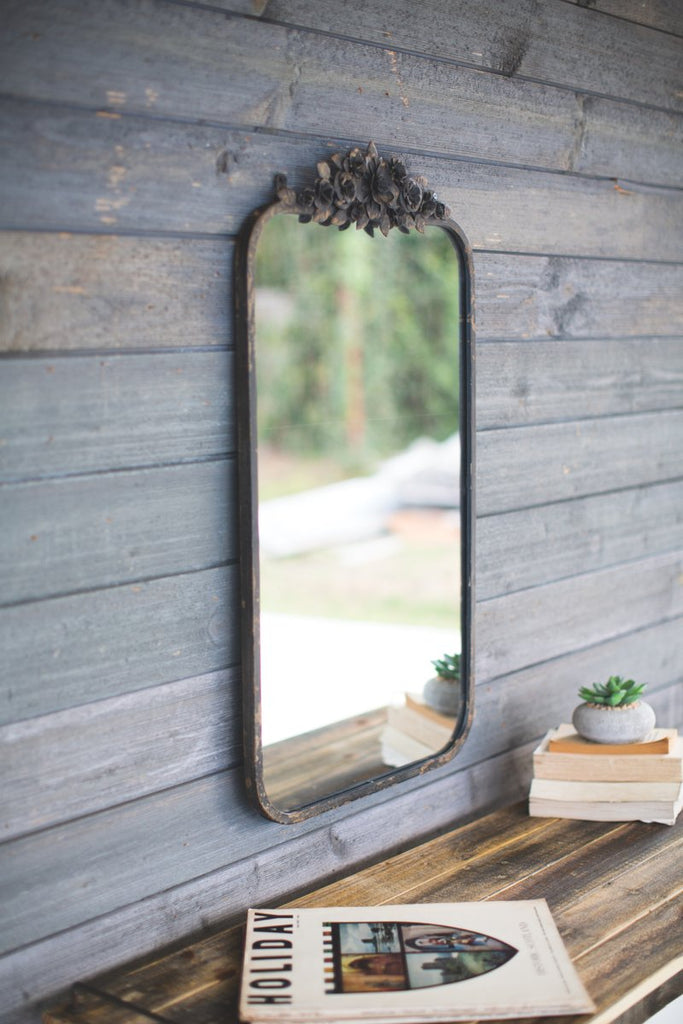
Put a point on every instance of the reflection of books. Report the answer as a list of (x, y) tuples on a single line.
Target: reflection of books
[(414, 731), (612, 786), (407, 963)]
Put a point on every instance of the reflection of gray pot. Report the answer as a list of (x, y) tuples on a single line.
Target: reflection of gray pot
[(628, 724), (443, 695)]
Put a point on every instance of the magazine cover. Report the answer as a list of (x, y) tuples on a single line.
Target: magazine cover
[(431, 961)]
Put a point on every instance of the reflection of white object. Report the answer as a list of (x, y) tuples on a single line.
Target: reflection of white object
[(426, 474), (317, 671), (337, 514)]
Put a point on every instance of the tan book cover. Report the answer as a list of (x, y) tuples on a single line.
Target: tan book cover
[(433, 734), (416, 702), (659, 742), (607, 767), (436, 962)]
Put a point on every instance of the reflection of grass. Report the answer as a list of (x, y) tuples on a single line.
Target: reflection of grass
[(410, 581), (281, 473)]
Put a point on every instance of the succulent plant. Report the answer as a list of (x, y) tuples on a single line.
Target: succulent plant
[(448, 667), (615, 693)]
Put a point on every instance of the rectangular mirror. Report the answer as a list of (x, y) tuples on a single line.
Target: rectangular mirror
[(354, 369)]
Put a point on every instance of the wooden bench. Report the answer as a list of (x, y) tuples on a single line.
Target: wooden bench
[(614, 890)]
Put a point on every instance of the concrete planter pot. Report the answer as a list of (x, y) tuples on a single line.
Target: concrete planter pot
[(443, 695), (628, 724)]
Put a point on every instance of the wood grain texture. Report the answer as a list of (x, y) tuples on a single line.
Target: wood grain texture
[(594, 532), (527, 466), (213, 177), (61, 536), (665, 15), (591, 55), (335, 845), (551, 297), (137, 135), (531, 626), (88, 413), (523, 383), (67, 292), (502, 856), (102, 853), (437, 106), (87, 646), (81, 761)]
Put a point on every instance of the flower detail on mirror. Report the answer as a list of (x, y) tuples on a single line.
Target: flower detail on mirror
[(367, 190)]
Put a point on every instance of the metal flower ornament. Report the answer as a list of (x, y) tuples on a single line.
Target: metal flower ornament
[(367, 190)]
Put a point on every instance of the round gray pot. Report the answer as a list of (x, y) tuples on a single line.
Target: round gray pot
[(628, 724), (443, 695)]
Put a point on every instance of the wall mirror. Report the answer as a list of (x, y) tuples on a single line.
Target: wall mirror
[(355, 413)]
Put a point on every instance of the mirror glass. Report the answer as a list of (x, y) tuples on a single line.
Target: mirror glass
[(357, 344)]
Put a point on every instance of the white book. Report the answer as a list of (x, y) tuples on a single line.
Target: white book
[(660, 812), (435, 962), (609, 792)]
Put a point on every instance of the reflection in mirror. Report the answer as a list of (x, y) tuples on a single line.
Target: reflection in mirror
[(357, 415)]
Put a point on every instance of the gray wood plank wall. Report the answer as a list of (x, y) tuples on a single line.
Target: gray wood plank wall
[(136, 136)]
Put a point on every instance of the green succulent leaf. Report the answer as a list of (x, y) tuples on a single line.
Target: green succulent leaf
[(616, 692), (448, 667)]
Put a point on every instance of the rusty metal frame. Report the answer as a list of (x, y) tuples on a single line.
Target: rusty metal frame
[(292, 203)]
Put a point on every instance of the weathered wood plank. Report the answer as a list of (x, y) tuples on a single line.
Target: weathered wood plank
[(71, 650), (106, 292), (532, 626), (199, 828), (665, 15), (82, 414), (134, 66), (613, 140), (163, 983), (193, 178), (551, 297), (526, 466), (75, 762), (313, 854), (522, 383), (596, 54), (61, 536), (205, 817), (80, 761), (477, 861), (65, 292), (517, 550), (86, 413)]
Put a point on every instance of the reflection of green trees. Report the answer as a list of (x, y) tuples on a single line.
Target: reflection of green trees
[(359, 352)]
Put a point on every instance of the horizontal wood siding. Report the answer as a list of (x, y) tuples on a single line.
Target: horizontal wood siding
[(135, 137)]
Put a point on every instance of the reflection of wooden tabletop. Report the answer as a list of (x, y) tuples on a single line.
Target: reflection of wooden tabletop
[(314, 765), (613, 890)]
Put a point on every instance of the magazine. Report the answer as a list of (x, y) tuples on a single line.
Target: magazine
[(423, 962)]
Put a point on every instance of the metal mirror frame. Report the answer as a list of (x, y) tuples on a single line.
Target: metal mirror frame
[(357, 188)]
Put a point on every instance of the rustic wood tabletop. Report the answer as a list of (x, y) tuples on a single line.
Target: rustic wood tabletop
[(613, 888)]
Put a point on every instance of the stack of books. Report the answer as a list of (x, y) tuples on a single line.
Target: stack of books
[(414, 731), (575, 778)]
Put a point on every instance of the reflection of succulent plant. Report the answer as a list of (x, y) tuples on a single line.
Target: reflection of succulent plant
[(366, 190), (615, 693), (448, 667)]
